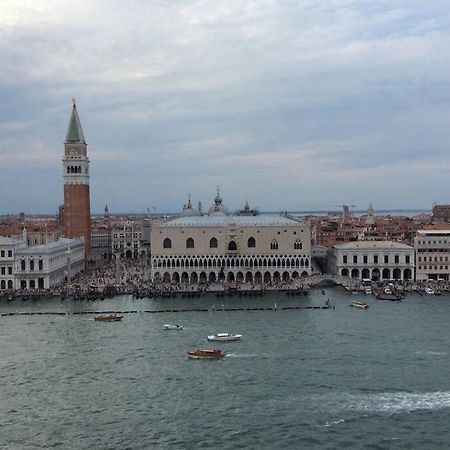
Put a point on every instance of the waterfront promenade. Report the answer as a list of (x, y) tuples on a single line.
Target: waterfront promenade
[(132, 277)]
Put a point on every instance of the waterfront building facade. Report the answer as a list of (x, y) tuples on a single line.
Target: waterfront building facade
[(43, 266), (77, 211), (432, 254), (223, 247), (374, 260), (8, 248)]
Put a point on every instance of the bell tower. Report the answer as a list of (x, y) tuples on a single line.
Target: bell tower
[(77, 208)]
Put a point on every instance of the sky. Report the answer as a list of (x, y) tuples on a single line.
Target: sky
[(291, 105)]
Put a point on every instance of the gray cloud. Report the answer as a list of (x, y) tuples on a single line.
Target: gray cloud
[(287, 103)]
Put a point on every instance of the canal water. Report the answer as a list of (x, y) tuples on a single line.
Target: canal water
[(338, 378)]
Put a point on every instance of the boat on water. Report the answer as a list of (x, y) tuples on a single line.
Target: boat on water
[(108, 318), (387, 290), (361, 305), (368, 290), (224, 337), (172, 327), (429, 291), (206, 353)]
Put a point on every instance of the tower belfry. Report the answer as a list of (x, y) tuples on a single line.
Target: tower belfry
[(77, 209)]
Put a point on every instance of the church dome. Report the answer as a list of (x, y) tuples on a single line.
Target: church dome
[(217, 209), (189, 211)]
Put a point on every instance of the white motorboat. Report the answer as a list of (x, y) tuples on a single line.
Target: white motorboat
[(172, 327), (368, 290), (224, 337), (387, 290), (360, 305), (429, 291)]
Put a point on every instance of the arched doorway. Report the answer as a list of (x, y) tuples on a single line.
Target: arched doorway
[(365, 273), (40, 283), (157, 276), (376, 274), (407, 274), (276, 277), (203, 277), (3, 284), (295, 275), (396, 274), (176, 277), (344, 272), (230, 276), (32, 284), (10, 284), (305, 274), (258, 277), (285, 276), (212, 277), (355, 273), (267, 277), (249, 277), (128, 254), (221, 276), (23, 284), (239, 277), (386, 274), (194, 277), (166, 277)]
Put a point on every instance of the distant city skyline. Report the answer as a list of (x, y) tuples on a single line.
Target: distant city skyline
[(290, 105)]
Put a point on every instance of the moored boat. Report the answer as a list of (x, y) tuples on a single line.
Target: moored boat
[(361, 305), (206, 353), (172, 327), (108, 318), (224, 337), (429, 291)]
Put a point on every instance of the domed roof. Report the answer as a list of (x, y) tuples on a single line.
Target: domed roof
[(189, 211), (217, 208)]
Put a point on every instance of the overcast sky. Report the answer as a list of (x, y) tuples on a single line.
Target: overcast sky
[(292, 105)]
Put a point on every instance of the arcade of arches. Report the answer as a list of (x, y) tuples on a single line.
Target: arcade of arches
[(378, 274), (256, 269)]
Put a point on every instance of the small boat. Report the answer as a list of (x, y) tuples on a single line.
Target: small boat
[(224, 337), (429, 291), (108, 318), (387, 290), (206, 353), (172, 327), (361, 305), (368, 290)]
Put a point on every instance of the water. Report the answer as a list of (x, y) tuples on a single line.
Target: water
[(343, 378)]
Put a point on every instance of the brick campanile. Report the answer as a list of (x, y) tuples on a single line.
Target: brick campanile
[(77, 207)]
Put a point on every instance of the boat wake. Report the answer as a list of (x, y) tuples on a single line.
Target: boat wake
[(391, 402), (240, 355), (430, 353)]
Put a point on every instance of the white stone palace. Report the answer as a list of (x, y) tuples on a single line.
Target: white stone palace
[(375, 260), (219, 246)]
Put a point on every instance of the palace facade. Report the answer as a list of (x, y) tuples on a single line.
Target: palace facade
[(219, 246)]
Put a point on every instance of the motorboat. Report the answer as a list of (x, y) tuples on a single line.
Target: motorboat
[(206, 353), (368, 290), (387, 290), (224, 337), (172, 327), (108, 318), (361, 305), (429, 291)]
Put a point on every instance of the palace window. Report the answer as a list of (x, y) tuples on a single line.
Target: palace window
[(251, 243), (189, 243), (232, 245), (298, 245), (167, 243), (274, 245), (213, 243)]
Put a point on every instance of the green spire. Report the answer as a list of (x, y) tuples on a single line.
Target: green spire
[(75, 132)]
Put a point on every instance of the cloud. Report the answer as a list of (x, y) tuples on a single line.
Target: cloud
[(182, 96)]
